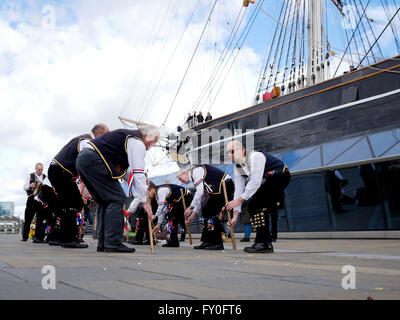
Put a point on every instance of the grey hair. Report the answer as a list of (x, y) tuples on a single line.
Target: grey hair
[(150, 132), (39, 164), (182, 170)]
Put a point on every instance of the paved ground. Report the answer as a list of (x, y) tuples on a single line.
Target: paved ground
[(299, 269)]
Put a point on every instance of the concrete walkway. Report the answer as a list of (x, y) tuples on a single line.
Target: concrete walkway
[(299, 269)]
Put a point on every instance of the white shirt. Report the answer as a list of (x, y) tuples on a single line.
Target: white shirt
[(161, 197), (84, 142), (136, 158), (197, 176), (28, 181), (247, 187)]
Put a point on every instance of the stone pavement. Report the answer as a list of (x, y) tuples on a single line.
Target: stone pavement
[(299, 269)]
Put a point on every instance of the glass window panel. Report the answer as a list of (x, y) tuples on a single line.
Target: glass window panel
[(353, 196), (305, 202), (393, 151), (332, 149), (389, 178), (360, 151), (382, 141), (313, 160), (291, 157)]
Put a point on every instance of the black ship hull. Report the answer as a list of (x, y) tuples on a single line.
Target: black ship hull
[(361, 101)]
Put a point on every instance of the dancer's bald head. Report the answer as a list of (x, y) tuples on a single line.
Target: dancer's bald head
[(235, 151)]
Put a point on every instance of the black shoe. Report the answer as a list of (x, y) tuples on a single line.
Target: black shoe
[(23, 239), (260, 248), (215, 247), (120, 248), (245, 240), (136, 242), (171, 245), (74, 245), (100, 249), (36, 240), (54, 243), (146, 242), (202, 246)]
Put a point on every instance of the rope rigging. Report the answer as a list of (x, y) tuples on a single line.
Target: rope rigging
[(190, 62)]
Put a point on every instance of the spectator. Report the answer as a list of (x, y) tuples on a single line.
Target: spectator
[(194, 121), (189, 119), (200, 118), (209, 117), (32, 187), (245, 219)]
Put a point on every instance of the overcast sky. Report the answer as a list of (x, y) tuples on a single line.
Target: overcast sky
[(66, 65)]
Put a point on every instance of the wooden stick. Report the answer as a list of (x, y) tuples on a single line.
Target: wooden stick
[(229, 217), (150, 228), (188, 225)]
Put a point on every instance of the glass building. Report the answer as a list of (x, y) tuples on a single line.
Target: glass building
[(351, 184), (7, 208)]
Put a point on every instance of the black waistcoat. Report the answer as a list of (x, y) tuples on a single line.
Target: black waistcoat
[(174, 192), (213, 178), (67, 156), (112, 148), (272, 165)]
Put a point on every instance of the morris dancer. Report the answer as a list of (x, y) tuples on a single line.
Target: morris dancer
[(209, 199), (62, 175), (100, 164), (260, 179), (170, 205)]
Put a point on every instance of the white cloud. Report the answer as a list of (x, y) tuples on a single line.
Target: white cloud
[(56, 83)]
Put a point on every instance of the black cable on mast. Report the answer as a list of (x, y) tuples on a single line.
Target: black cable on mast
[(190, 62), (349, 42), (383, 31)]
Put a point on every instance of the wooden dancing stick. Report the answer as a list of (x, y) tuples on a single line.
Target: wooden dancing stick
[(150, 228), (188, 225), (229, 217)]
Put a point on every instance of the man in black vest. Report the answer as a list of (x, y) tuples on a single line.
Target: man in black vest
[(260, 179), (209, 199), (32, 188), (105, 160), (170, 205), (62, 175)]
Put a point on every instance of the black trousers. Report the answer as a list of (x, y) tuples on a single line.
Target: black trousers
[(70, 201), (32, 207), (142, 225), (108, 194), (176, 217), (53, 212), (213, 204), (267, 196)]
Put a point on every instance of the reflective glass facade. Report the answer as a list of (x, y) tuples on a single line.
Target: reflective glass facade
[(7, 208)]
